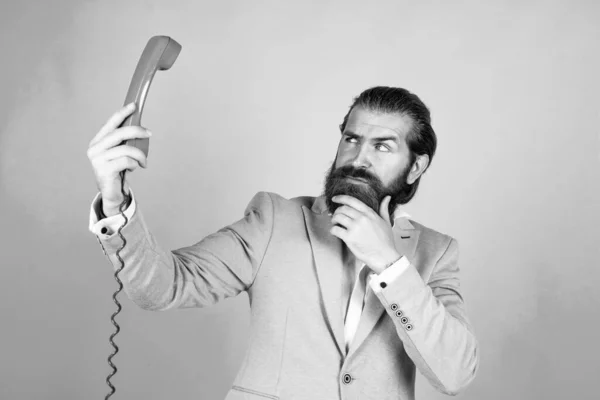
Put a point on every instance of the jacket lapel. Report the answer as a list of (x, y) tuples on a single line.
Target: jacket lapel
[(328, 260), (406, 238)]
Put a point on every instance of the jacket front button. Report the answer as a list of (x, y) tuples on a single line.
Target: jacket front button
[(347, 378)]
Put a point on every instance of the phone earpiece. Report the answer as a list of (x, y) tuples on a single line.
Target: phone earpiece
[(159, 54)]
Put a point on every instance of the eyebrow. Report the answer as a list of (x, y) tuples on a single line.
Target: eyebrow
[(393, 138)]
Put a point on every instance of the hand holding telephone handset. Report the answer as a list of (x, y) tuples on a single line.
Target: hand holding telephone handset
[(111, 159)]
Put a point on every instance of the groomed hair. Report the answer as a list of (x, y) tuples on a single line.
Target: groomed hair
[(391, 100)]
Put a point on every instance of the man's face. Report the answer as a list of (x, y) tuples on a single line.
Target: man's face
[(372, 160)]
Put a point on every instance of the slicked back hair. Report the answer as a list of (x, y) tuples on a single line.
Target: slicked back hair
[(392, 100)]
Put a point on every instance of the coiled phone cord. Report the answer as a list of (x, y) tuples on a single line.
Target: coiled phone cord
[(112, 318), (159, 54)]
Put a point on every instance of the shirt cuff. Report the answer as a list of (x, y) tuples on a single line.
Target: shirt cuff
[(104, 228), (379, 281)]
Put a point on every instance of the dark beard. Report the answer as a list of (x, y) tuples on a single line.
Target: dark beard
[(371, 193)]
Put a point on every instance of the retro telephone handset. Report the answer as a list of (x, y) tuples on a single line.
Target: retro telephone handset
[(160, 53)]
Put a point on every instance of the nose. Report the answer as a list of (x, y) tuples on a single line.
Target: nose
[(361, 158)]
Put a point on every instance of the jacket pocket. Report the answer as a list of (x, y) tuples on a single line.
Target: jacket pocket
[(242, 393)]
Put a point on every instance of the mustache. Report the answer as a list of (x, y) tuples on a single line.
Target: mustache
[(348, 171)]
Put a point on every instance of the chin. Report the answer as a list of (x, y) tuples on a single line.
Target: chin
[(363, 193)]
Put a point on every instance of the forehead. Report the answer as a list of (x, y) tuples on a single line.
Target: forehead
[(370, 123)]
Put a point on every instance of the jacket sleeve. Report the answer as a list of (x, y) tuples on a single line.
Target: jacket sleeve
[(221, 265), (431, 321)]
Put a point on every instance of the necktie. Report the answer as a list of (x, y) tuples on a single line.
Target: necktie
[(355, 307)]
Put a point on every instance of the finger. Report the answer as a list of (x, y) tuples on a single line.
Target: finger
[(342, 220), (384, 211), (114, 121), (117, 137), (348, 211), (339, 232), (119, 164), (123, 151), (352, 202)]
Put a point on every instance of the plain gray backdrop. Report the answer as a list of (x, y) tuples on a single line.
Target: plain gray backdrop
[(253, 103)]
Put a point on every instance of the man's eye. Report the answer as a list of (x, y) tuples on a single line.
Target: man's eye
[(350, 140), (382, 147)]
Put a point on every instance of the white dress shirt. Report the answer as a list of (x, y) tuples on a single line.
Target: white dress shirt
[(359, 278), (104, 228)]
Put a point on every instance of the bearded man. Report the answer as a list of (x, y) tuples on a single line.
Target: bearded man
[(349, 296)]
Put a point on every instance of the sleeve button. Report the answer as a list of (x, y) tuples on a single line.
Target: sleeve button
[(382, 284), (104, 230), (394, 306), (399, 313), (409, 327), (404, 320)]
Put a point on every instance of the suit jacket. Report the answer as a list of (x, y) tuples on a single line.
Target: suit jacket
[(282, 254)]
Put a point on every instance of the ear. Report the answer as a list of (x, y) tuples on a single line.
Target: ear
[(416, 170)]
